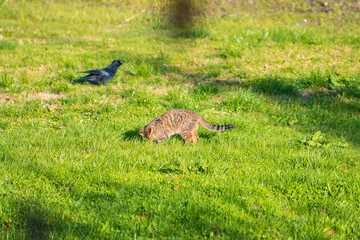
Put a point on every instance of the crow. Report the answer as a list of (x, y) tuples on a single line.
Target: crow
[(101, 76)]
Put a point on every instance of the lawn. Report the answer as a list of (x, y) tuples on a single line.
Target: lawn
[(286, 73)]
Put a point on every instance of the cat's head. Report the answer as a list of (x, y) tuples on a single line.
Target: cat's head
[(147, 133)]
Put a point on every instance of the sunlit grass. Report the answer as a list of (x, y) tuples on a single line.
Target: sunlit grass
[(72, 165)]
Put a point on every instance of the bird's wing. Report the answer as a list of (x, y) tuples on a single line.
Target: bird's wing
[(110, 69), (100, 72), (92, 78)]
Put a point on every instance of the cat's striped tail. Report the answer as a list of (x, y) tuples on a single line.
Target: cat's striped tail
[(209, 126)]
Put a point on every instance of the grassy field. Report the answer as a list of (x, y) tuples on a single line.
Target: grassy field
[(286, 73)]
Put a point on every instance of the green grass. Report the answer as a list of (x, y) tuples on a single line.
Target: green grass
[(72, 165)]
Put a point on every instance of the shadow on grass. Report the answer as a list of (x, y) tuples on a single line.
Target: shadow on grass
[(207, 135), (34, 221), (202, 135), (132, 134), (327, 109)]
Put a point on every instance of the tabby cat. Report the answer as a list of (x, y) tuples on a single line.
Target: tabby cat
[(178, 121)]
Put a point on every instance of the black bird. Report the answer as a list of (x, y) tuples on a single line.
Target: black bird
[(101, 76)]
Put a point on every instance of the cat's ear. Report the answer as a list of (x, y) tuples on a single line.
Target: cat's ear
[(141, 132)]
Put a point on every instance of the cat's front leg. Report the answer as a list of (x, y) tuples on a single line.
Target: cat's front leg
[(161, 139)]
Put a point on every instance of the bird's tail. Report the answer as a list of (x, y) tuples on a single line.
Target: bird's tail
[(210, 126), (90, 78)]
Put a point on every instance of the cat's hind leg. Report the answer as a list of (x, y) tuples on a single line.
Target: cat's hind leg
[(189, 132), (190, 137), (195, 137)]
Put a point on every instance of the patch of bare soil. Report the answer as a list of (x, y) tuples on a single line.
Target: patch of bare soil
[(42, 95), (29, 96)]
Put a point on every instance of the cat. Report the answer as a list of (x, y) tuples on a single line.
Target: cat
[(178, 121)]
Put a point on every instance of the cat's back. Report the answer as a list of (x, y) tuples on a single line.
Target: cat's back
[(176, 118), (180, 113)]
